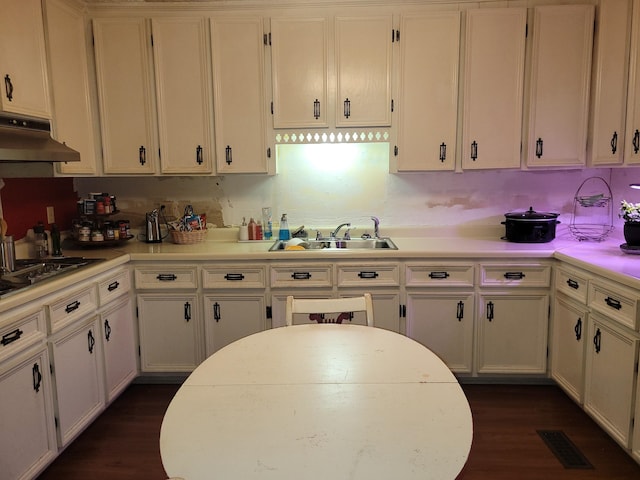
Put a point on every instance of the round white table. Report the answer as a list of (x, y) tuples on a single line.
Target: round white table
[(318, 402)]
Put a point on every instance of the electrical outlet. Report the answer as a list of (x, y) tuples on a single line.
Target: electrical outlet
[(51, 218)]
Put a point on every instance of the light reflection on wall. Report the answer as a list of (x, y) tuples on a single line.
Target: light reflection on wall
[(333, 181)]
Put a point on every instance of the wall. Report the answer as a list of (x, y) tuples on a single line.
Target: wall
[(25, 202), (321, 188)]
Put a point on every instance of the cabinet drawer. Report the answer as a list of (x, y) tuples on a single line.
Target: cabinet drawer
[(572, 283), (24, 329), (378, 274), (233, 277), (72, 307), (614, 301), (310, 275), (166, 277), (515, 275), (439, 275), (114, 286)]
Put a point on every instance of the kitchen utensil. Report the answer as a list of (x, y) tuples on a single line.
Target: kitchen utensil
[(530, 226), (3, 227), (153, 227), (7, 253)]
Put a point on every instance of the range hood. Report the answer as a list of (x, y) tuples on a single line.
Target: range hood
[(25, 139)]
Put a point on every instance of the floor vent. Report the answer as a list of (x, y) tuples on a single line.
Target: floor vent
[(564, 449)]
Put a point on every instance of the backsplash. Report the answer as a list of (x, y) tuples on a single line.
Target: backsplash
[(320, 189), (323, 189), (25, 202)]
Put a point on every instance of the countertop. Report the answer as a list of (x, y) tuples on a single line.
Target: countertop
[(604, 258)]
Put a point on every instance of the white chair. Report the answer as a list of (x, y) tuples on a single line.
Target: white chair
[(329, 305)]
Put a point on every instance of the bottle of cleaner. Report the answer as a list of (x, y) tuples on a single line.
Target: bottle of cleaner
[(284, 233)]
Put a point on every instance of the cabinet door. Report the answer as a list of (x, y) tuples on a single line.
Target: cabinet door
[(120, 362), (28, 441), (363, 68), (72, 109), (183, 83), (610, 378), (239, 95), (23, 64), (559, 96), (229, 318), (632, 137), (299, 71), (78, 373), (170, 332), (512, 333), (428, 93), (567, 350), (443, 322), (125, 93), (493, 88), (610, 82)]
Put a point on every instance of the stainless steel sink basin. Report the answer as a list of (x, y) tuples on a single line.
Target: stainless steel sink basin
[(335, 244)]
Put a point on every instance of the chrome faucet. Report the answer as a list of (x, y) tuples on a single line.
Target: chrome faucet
[(376, 226), (334, 234)]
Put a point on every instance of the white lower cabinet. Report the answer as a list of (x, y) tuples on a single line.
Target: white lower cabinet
[(78, 377), (118, 340), (230, 317), (512, 317), (170, 332), (28, 439), (635, 442), (512, 333), (611, 377), (443, 322), (568, 345)]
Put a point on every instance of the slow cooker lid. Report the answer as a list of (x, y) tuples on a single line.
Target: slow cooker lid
[(531, 214)]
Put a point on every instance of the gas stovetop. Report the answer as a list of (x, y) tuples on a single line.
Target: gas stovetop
[(32, 271)]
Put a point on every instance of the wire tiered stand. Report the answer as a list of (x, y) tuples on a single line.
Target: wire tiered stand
[(592, 217)]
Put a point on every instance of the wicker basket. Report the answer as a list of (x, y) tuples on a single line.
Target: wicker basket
[(185, 238)]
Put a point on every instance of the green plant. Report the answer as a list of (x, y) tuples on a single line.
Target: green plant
[(630, 212)]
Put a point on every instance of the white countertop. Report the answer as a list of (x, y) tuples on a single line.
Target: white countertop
[(604, 258)]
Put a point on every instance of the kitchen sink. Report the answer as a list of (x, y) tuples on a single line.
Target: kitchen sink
[(31, 271), (341, 244)]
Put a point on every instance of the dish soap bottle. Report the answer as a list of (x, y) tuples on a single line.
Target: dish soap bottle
[(284, 233)]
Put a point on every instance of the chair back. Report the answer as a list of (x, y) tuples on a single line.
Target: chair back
[(341, 306)]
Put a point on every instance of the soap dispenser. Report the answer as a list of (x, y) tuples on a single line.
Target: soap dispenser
[(284, 233)]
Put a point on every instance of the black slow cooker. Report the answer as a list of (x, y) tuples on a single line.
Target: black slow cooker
[(530, 226)]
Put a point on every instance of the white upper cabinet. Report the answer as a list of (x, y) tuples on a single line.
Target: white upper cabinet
[(363, 70), (559, 94), (493, 88), (239, 95), (610, 83), (183, 93), (73, 115), (326, 67), (299, 49), (23, 65), (632, 137), (427, 105), (125, 93)]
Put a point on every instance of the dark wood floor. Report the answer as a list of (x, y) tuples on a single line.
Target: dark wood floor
[(123, 443)]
